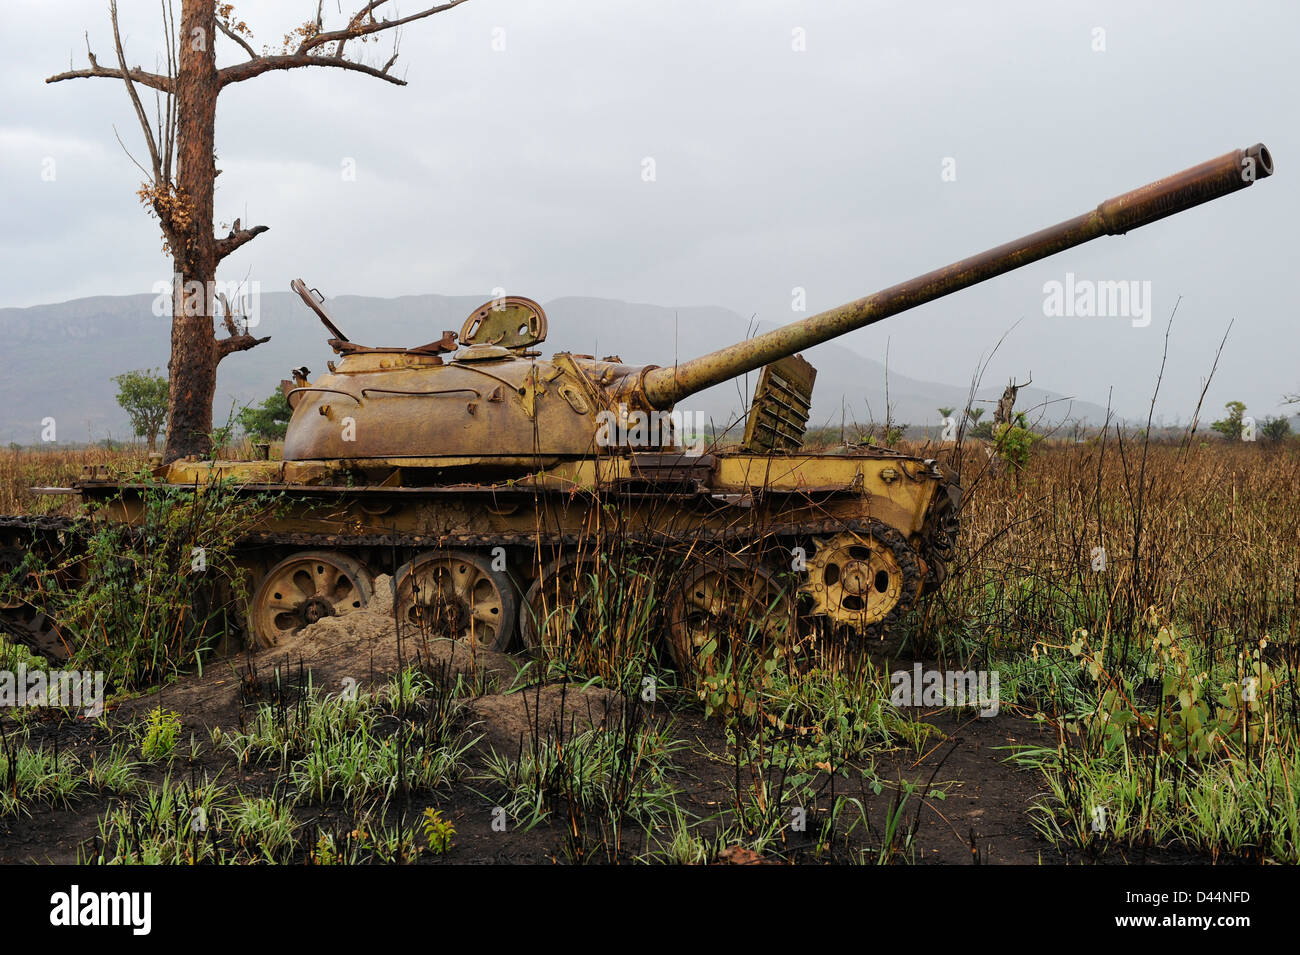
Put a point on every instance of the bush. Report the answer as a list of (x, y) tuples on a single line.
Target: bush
[(147, 600), (269, 420), (1015, 443)]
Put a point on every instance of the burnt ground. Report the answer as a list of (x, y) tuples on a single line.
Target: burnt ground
[(967, 804)]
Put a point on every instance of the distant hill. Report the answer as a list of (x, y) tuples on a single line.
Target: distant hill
[(60, 359)]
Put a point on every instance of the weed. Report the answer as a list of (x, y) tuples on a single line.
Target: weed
[(159, 734)]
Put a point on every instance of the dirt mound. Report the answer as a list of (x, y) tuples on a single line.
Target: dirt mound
[(363, 645), (511, 721), (358, 627)]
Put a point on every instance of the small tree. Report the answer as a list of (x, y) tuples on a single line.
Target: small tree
[(1275, 429), (143, 396), (894, 434), (1015, 442), (269, 420), (1230, 427)]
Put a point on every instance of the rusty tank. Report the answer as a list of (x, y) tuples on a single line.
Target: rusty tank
[(489, 481)]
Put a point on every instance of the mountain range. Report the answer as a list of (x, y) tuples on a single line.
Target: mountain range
[(60, 359)]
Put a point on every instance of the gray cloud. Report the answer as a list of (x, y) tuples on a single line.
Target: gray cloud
[(775, 169)]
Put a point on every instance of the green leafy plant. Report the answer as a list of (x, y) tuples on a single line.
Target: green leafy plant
[(143, 602), (438, 831), (220, 436), (159, 735), (360, 747), (174, 823), (264, 827), (1202, 711), (1015, 442), (1275, 429), (596, 781), (979, 429), (268, 420), (1231, 425)]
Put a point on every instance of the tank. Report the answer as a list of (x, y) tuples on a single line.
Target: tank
[(488, 481)]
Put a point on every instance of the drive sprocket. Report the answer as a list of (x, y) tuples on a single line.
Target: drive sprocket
[(865, 579)]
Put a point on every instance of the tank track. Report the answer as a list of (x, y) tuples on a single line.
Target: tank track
[(42, 523), (67, 530)]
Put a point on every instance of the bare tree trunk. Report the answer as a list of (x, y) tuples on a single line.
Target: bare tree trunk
[(185, 139), (192, 369)]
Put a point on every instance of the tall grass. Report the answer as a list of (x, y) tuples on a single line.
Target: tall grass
[(1206, 532), (1169, 667), (21, 469)]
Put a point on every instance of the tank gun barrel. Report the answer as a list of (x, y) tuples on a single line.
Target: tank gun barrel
[(1238, 169)]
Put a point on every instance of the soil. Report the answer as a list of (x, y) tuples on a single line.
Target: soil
[(967, 803)]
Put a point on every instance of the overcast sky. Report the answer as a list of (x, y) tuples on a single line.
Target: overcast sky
[(774, 168)]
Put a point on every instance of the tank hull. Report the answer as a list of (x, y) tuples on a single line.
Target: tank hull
[(781, 513)]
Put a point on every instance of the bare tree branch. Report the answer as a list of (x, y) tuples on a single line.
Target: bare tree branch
[(252, 54), (240, 342), (265, 64), (356, 27), (135, 162), (237, 338), (138, 75), (361, 24), (158, 175), (173, 62), (238, 238)]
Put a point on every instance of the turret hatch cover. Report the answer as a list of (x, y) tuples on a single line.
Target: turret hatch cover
[(512, 322)]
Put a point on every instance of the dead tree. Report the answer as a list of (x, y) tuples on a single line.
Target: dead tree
[(181, 172), (1007, 403)]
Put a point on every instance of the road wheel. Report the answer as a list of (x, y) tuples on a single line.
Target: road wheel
[(720, 603), (22, 599), (555, 614), (305, 588), (11, 559), (865, 580), (33, 627), (457, 594)]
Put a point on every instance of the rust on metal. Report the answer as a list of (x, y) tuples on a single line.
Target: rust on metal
[(316, 302), (332, 391), (421, 394), (512, 322), (778, 415)]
